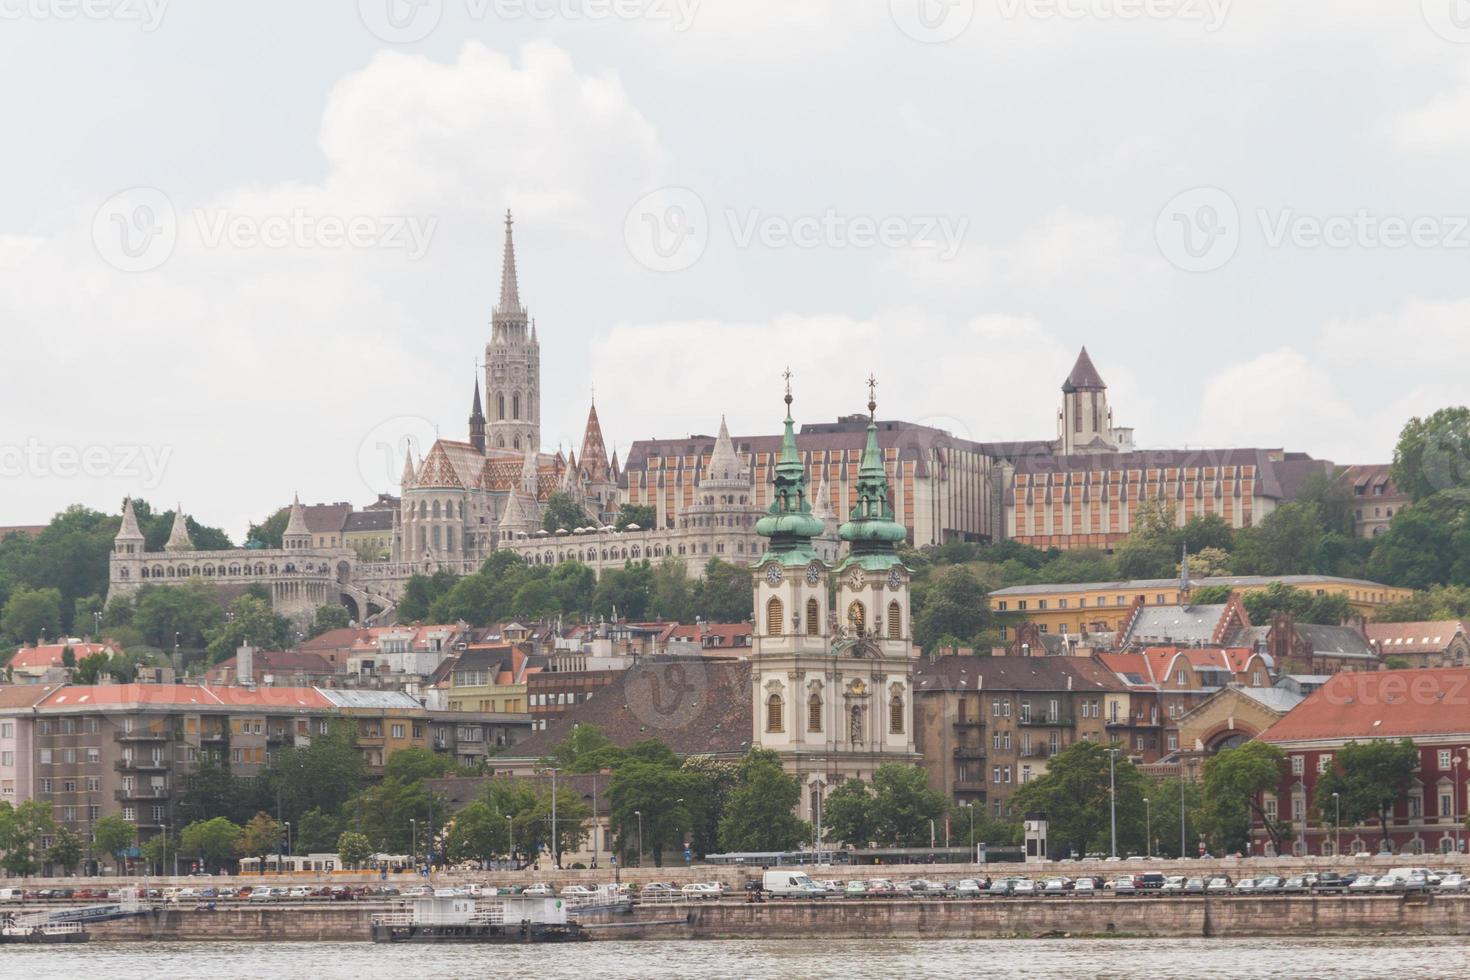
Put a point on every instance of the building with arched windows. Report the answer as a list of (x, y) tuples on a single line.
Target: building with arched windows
[(831, 686)]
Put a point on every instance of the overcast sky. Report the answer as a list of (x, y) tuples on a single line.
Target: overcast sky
[(246, 248)]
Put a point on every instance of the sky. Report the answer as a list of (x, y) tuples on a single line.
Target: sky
[(250, 250)]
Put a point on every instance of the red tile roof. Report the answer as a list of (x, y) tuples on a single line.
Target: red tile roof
[(1432, 637), (49, 655), (1380, 704), (74, 697)]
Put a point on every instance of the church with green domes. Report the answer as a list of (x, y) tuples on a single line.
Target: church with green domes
[(832, 681)]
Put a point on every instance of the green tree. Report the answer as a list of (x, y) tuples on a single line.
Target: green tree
[(1433, 454), (478, 833), (1369, 777), (759, 815), (420, 593), (713, 781), (329, 617), (723, 594), (113, 835), (1211, 595), (157, 850), (322, 776), (906, 811), (21, 831), (1075, 796), (250, 621), (561, 512), (1303, 606), (585, 749), (1234, 781), (661, 794), (1286, 542), (1206, 531), (1163, 819), (186, 612), (212, 790), (415, 765), (643, 515), (956, 605), (1417, 551), (212, 841), (65, 851), (1437, 602), (317, 833), (673, 594), (628, 591), (268, 533), (30, 614), (263, 835), (354, 849), (848, 814)]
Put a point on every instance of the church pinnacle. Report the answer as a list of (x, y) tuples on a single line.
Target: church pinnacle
[(178, 539), (510, 290), (872, 528), (789, 522)]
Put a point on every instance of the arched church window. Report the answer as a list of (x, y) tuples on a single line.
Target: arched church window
[(515, 406), (895, 714), (436, 510), (500, 442), (775, 713), (775, 624), (857, 618), (423, 508), (813, 618), (814, 713), (500, 409), (895, 621), (516, 442)]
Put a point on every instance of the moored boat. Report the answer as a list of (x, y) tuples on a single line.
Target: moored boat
[(461, 919)]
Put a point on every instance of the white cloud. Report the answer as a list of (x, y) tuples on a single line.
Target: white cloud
[(1085, 260), (266, 367), (1441, 125), (989, 378)]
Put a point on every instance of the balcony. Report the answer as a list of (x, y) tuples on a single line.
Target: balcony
[(147, 764), (216, 737), (1047, 721), (969, 786), (965, 723), (143, 735), (277, 738), (141, 793), (1137, 721), (970, 752)]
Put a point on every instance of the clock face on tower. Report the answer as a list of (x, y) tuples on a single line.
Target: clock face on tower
[(773, 574), (813, 573), (855, 577), (895, 579)]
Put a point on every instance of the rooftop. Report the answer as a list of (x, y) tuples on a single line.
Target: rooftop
[(1380, 704), (1145, 584)]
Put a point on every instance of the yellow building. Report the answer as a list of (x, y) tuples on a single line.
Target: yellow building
[(386, 721), (489, 679), (1101, 607)]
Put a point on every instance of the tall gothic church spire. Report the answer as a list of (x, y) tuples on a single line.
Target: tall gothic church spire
[(477, 421), (512, 364)]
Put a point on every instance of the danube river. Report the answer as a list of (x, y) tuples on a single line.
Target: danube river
[(1344, 959)]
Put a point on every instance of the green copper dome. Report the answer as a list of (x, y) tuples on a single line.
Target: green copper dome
[(789, 522), (872, 528)]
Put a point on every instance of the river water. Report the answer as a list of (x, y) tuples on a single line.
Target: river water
[(1340, 959)]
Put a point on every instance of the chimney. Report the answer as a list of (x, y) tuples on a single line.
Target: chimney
[(245, 665)]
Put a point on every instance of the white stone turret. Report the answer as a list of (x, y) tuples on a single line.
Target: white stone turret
[(297, 536), (178, 539)]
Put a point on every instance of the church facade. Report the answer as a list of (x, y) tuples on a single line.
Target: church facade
[(831, 686)]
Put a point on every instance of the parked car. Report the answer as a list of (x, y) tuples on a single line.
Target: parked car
[(542, 890), (1364, 883), (300, 891), (1246, 886), (1296, 883), (1270, 883), (967, 888), (266, 893), (1151, 882), (1219, 885), (578, 891), (1001, 887), (1023, 887), (1053, 887), (1194, 886), (1453, 882), (856, 888), (1085, 887), (881, 888), (1122, 885), (1329, 881), (700, 891), (1173, 883), (1414, 883)]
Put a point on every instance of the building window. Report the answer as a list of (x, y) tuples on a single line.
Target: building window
[(995, 774), (1298, 765), (895, 621), (397, 731), (1444, 758), (1324, 763), (1173, 742), (814, 713), (1271, 810), (895, 715), (774, 613), (813, 618), (775, 710)]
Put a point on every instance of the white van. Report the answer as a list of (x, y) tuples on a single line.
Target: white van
[(791, 884), (11, 895)]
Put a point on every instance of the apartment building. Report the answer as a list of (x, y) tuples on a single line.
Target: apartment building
[(986, 725)]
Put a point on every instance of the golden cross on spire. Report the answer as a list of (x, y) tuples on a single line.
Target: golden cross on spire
[(786, 375), (872, 396)]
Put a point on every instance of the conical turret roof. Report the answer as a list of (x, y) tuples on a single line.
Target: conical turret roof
[(789, 522), (129, 531), (296, 526), (510, 287), (178, 539), (872, 528), (410, 471), (724, 462), (1084, 376)]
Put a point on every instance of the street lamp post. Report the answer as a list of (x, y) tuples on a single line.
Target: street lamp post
[(414, 843), (510, 822), (970, 805), (1455, 803), (1336, 825), (639, 815), (289, 852), (555, 851), (1181, 811), (1148, 829), (1113, 798)]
